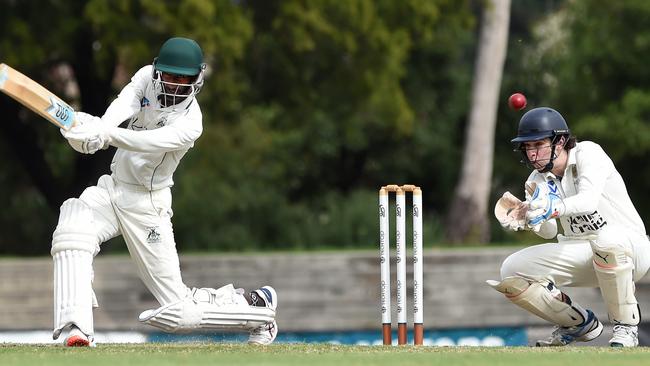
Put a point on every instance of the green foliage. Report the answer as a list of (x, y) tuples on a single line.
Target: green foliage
[(593, 70), (586, 59), (622, 126), (24, 224), (328, 114), (595, 73), (244, 170), (310, 106)]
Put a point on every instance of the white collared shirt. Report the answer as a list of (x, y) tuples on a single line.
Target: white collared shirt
[(150, 148), (593, 192)]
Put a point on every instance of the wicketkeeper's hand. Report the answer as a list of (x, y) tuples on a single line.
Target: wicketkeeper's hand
[(88, 135), (511, 212), (544, 205)]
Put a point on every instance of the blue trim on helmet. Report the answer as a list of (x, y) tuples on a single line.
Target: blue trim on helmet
[(268, 295)]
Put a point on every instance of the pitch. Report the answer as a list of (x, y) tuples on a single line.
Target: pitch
[(161, 354)]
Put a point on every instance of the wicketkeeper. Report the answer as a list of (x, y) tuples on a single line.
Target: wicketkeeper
[(164, 120), (604, 242)]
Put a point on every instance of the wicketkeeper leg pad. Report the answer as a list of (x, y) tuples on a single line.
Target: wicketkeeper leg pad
[(208, 308), (615, 272), (74, 245), (541, 298)]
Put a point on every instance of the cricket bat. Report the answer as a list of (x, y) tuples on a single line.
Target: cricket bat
[(35, 97)]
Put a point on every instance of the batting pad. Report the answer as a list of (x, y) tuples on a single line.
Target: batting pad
[(208, 308), (541, 299), (187, 315), (75, 229), (615, 274), (73, 248), (73, 295)]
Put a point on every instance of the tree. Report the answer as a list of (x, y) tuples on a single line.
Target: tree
[(83, 54), (468, 218), (597, 77), (308, 107), (342, 97)]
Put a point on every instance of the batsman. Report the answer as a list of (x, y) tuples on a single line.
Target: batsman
[(163, 122), (603, 241)]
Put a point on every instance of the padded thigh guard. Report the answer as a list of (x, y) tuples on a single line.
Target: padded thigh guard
[(615, 273), (207, 308), (541, 298), (74, 245)]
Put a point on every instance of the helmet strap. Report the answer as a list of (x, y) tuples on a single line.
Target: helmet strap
[(554, 142), (549, 166)]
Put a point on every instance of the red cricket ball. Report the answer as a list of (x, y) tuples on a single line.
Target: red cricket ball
[(517, 101)]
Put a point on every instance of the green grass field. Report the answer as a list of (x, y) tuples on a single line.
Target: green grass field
[(315, 355)]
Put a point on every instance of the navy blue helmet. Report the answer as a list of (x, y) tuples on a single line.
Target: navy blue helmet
[(540, 123)]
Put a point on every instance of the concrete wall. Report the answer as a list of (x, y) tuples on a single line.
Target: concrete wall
[(317, 291)]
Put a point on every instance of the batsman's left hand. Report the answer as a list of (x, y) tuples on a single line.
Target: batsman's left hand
[(544, 205)]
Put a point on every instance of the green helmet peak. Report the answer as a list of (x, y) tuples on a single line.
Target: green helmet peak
[(180, 56)]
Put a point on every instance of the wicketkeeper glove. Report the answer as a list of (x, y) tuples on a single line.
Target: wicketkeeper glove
[(511, 212), (543, 207)]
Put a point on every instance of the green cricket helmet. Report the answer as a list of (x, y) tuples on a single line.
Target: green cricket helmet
[(178, 57)]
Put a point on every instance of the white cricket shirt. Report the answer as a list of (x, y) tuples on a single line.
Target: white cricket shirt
[(593, 192), (156, 138)]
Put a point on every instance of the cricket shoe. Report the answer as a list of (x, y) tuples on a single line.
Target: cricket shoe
[(562, 336), (264, 334), (76, 338), (625, 336)]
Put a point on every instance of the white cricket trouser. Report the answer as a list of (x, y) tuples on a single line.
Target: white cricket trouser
[(143, 218), (570, 261)]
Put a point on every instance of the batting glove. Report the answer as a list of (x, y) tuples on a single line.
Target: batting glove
[(543, 207), (89, 134)]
